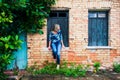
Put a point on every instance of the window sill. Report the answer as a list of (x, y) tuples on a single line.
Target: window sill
[(99, 47), (46, 49)]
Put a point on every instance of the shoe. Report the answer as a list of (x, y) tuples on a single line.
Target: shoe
[(58, 67)]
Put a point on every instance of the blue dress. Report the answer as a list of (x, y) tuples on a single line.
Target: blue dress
[(56, 44), (55, 37)]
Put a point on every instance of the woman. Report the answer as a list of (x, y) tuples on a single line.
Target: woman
[(56, 43)]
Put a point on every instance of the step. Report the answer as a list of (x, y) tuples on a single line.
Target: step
[(14, 78)]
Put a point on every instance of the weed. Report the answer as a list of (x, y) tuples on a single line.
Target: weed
[(96, 66), (116, 67)]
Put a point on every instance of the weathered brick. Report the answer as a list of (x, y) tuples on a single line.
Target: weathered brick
[(78, 35)]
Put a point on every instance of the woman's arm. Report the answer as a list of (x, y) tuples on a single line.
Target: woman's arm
[(49, 45), (49, 41), (62, 40), (62, 44)]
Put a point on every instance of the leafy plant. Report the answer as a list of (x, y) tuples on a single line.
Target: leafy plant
[(116, 67), (5, 59), (50, 68), (74, 70), (17, 16), (4, 18), (9, 43), (96, 66), (25, 15)]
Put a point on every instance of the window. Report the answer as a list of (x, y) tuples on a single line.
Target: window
[(53, 14), (61, 18), (98, 28), (101, 15), (92, 15), (62, 14)]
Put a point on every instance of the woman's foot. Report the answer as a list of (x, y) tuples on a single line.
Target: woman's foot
[(58, 67)]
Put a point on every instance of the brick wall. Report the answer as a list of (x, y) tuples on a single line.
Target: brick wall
[(78, 35)]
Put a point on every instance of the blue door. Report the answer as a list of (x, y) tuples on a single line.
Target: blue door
[(20, 56)]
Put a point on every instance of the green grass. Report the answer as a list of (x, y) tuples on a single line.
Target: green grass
[(50, 68)]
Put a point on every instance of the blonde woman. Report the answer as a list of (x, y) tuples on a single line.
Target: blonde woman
[(56, 43)]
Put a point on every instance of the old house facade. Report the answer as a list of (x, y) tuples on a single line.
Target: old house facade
[(91, 32)]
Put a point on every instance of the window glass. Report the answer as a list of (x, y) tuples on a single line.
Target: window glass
[(62, 15), (53, 14), (92, 15), (101, 15)]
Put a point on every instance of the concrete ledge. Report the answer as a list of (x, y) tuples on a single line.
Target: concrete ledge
[(14, 78), (98, 47), (46, 49)]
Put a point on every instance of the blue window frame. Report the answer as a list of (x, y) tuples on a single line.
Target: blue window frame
[(98, 28)]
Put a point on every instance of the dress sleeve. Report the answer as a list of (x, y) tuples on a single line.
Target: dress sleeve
[(50, 34)]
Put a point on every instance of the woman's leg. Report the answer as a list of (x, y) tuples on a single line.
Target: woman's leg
[(54, 50), (58, 53)]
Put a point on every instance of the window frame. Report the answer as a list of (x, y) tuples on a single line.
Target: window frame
[(66, 17), (107, 33)]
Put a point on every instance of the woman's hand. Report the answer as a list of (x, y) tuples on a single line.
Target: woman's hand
[(49, 48), (63, 46)]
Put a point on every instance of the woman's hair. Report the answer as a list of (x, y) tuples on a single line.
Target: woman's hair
[(55, 26)]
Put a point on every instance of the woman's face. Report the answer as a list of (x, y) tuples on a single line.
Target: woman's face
[(57, 28)]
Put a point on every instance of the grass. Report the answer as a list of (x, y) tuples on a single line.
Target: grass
[(50, 68)]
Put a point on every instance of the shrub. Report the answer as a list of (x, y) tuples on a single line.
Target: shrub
[(4, 61), (17, 16), (96, 66), (116, 67)]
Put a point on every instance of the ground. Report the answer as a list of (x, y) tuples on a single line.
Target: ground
[(104, 75)]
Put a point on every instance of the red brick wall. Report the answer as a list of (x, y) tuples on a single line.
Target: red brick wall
[(78, 35)]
